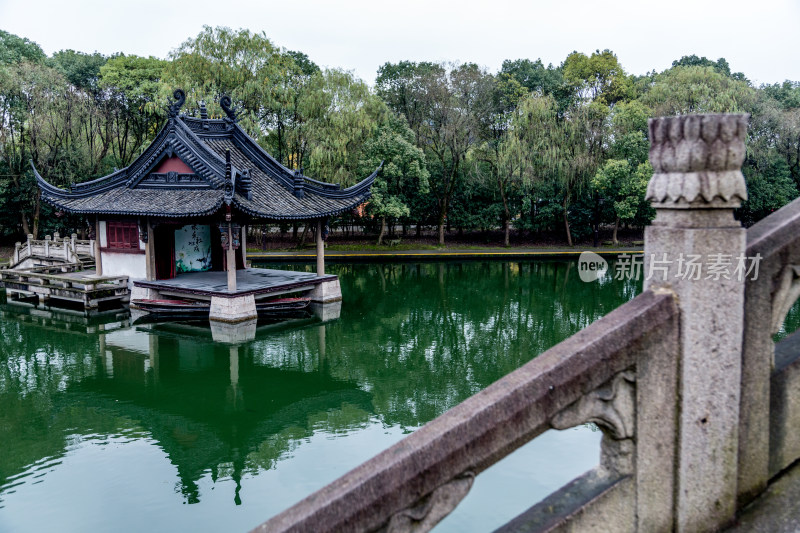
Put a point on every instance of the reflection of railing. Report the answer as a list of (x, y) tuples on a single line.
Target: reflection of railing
[(698, 417), (54, 249)]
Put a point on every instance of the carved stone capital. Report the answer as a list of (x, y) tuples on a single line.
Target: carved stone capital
[(431, 509), (786, 294), (612, 407), (697, 161)]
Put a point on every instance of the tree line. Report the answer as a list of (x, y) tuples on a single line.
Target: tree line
[(533, 147)]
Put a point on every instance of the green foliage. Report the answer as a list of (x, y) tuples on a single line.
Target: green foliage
[(769, 187), (403, 175), (131, 86), (629, 132), (695, 89), (79, 69), (720, 65), (220, 60), (623, 186), (400, 84), (347, 115), (786, 93), (531, 146), (541, 80), (14, 49), (598, 77)]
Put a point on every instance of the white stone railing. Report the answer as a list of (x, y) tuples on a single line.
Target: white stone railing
[(699, 415), (52, 248)]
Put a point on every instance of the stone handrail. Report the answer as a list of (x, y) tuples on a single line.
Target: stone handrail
[(699, 408), (52, 248), (418, 481), (768, 299)]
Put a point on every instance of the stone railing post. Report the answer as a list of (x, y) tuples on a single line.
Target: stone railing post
[(47, 245), (696, 249), (17, 248)]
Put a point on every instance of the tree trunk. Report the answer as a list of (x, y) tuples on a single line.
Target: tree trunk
[(616, 227), (383, 230), (294, 231), (566, 224), (36, 212), (303, 236), (442, 217), (506, 229), (26, 229)]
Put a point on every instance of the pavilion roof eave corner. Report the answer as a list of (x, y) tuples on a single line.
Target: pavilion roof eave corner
[(46, 186)]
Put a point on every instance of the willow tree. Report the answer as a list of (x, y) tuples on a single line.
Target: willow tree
[(41, 114), (237, 63), (290, 105), (683, 90), (562, 150), (132, 114), (345, 115), (497, 152)]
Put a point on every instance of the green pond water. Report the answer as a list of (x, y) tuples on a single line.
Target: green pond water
[(107, 426)]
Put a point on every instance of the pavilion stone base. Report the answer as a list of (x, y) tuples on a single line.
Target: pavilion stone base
[(327, 292), (229, 333), (141, 293), (327, 312), (233, 310)]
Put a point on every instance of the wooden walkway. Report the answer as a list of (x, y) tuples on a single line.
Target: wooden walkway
[(51, 284)]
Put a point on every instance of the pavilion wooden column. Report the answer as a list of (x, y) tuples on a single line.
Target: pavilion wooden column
[(320, 250), (98, 261), (244, 245), (149, 255), (231, 261)]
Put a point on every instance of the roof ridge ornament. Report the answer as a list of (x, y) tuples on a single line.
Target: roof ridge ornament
[(299, 183), (203, 110), (180, 99), (225, 103)]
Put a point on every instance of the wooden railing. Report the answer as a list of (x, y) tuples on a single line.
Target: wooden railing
[(699, 415)]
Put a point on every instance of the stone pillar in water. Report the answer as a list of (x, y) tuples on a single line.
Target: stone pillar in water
[(697, 249)]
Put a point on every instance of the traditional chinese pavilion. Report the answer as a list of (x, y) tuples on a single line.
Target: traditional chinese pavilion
[(175, 219)]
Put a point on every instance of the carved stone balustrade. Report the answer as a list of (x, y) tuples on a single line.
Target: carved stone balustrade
[(699, 409)]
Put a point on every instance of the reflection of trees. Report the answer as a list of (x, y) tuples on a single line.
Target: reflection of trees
[(423, 337), (413, 340), (208, 406), (35, 369)]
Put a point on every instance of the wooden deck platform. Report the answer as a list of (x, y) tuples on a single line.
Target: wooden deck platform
[(259, 282), (82, 287)]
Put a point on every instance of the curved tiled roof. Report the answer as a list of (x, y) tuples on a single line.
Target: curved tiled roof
[(261, 187)]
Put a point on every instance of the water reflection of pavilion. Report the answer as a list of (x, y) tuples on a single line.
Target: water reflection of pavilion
[(209, 406)]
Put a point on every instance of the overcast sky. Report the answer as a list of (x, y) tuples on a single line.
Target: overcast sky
[(758, 38)]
